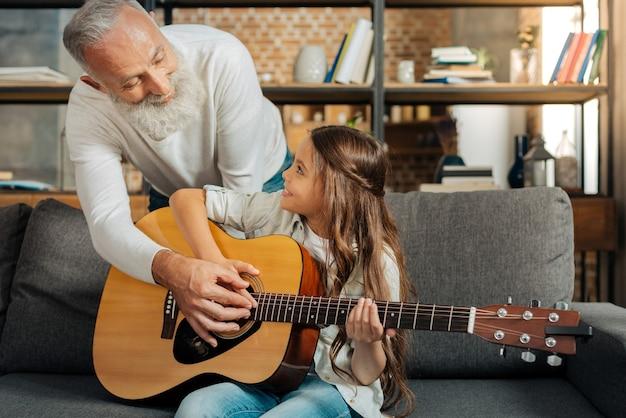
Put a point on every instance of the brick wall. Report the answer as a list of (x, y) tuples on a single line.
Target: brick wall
[(274, 35)]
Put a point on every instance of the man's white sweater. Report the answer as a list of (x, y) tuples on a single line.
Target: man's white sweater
[(237, 141)]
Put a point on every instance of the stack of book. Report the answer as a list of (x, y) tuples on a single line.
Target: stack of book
[(354, 61), (455, 64), (21, 75), (579, 61), (462, 178)]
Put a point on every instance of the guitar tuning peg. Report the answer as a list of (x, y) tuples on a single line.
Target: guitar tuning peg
[(554, 360), (561, 305), (528, 357), (535, 303), (503, 351), (509, 300)]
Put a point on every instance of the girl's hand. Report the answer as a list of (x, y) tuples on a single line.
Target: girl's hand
[(363, 324)]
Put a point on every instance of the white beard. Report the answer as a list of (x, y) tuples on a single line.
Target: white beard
[(159, 120)]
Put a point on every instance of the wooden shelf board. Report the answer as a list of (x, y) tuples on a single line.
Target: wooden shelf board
[(323, 93), (54, 4), (480, 3), (269, 3), (496, 93), (69, 4), (395, 93), (35, 92)]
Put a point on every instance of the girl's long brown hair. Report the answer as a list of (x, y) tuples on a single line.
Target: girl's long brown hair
[(352, 167)]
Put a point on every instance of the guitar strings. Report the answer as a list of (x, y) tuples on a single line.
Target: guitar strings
[(275, 298), (442, 311)]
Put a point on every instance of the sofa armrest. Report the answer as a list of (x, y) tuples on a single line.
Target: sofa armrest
[(598, 369)]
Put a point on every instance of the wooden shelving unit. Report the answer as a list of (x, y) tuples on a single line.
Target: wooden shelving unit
[(34, 93), (317, 94), (491, 93), (479, 3)]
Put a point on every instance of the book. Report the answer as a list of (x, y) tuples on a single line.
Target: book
[(459, 73), (467, 179), (583, 47), (343, 51), (457, 187), (597, 56), (331, 71), (562, 76), (455, 59), (465, 171), (371, 71), (24, 185), (346, 67), (456, 80), (456, 67), (26, 74), (362, 61), (458, 174), (588, 54), (559, 62), (450, 50)]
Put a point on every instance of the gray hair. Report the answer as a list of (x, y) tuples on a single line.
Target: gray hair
[(90, 23)]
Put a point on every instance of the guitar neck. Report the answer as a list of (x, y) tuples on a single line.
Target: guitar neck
[(319, 310)]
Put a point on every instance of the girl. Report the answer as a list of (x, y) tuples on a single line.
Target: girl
[(333, 205)]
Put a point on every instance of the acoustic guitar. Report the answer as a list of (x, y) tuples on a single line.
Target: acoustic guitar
[(144, 347)]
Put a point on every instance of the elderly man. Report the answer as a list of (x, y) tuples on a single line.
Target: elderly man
[(183, 104)]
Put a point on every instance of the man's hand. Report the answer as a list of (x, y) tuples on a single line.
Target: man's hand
[(200, 290)]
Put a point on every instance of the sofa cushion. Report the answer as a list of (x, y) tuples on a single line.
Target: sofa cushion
[(547, 397), (13, 220), (475, 249), (33, 395), (54, 296)]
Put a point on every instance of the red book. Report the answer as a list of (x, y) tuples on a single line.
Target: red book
[(583, 47), (562, 77)]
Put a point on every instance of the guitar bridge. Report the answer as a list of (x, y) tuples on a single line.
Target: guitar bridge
[(170, 314)]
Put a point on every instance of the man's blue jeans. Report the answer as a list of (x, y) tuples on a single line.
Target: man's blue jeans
[(313, 399), (157, 200)]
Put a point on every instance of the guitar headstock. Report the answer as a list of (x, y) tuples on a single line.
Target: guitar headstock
[(545, 329)]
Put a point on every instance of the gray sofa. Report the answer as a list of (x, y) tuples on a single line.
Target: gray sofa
[(470, 249)]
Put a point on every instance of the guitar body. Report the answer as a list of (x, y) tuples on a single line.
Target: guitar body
[(144, 347)]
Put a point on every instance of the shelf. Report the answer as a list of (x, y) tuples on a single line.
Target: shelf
[(35, 93), (53, 4), (265, 3), (69, 4), (395, 93), (318, 94), (138, 202), (496, 93), (480, 3)]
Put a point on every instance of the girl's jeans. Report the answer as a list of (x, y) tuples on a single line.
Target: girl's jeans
[(313, 399)]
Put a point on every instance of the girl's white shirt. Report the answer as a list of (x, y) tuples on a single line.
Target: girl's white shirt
[(260, 214)]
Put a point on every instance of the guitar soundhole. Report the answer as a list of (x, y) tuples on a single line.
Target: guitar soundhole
[(189, 348)]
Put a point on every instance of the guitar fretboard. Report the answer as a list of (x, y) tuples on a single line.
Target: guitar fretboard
[(319, 310)]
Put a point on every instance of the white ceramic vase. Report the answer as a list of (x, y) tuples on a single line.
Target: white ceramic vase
[(311, 66)]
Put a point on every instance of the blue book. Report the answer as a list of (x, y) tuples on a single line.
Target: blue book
[(24, 185), (331, 72), (557, 67), (592, 46), (457, 80)]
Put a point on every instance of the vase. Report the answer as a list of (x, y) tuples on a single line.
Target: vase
[(310, 66), (516, 173), (524, 66), (406, 72)]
